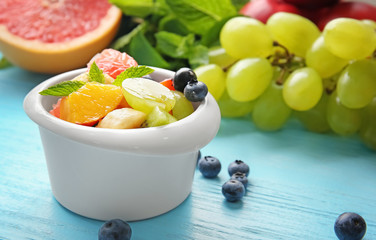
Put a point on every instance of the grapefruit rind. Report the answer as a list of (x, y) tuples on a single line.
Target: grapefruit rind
[(54, 58)]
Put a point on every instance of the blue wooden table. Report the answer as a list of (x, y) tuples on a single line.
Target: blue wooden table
[(299, 183)]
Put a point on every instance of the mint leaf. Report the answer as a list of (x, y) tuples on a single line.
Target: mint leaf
[(199, 16), (199, 55), (180, 47), (171, 24), (123, 41), (174, 45), (140, 8), (132, 72), (144, 53), (96, 74), (63, 88)]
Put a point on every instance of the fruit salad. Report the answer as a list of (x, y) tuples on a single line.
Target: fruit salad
[(115, 92)]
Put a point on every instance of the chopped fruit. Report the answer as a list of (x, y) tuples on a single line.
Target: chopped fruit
[(195, 91), (90, 103), (56, 109), (123, 118), (168, 83), (84, 77), (182, 107), (159, 117), (113, 62), (123, 103), (182, 77), (116, 93), (144, 95)]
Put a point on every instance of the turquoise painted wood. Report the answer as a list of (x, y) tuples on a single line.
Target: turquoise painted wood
[(299, 183)]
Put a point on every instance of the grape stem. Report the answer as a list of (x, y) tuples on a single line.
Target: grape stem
[(282, 76), (287, 61)]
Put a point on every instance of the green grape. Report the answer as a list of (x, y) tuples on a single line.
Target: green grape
[(303, 89), (270, 112), (144, 95), (248, 78), (349, 38), (244, 37), (219, 56), (183, 107), (322, 60), (357, 84), (314, 119), (231, 108), (342, 120), (370, 23), (158, 117), (368, 128), (294, 32), (214, 78)]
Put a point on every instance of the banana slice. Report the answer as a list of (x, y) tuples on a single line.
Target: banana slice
[(123, 118)]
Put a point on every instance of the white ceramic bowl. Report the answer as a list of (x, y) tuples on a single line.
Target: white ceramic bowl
[(131, 174)]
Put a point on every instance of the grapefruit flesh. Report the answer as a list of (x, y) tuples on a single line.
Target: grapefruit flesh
[(113, 62), (53, 36)]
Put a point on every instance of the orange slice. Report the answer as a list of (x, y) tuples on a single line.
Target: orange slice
[(90, 103)]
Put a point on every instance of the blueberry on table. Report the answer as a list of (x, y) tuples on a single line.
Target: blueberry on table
[(241, 177), (238, 166), (195, 91), (115, 229), (209, 166), (182, 77), (350, 226), (233, 190)]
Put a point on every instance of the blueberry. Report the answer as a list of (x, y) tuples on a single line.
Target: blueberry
[(209, 166), (350, 226), (182, 77), (238, 166), (241, 177), (233, 190), (115, 229), (195, 91)]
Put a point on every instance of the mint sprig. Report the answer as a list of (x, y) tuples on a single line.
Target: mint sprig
[(132, 72), (63, 88), (96, 74)]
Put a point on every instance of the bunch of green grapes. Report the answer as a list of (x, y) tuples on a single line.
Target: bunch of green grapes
[(288, 68)]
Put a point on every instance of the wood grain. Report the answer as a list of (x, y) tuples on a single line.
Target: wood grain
[(299, 183)]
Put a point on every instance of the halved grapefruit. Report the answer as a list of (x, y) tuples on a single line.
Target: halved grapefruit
[(53, 36)]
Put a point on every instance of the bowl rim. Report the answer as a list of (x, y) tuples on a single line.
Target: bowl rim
[(153, 140)]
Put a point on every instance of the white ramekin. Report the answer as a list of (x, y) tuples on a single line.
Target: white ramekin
[(131, 174)]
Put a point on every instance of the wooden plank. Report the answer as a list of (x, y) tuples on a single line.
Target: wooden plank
[(299, 183)]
